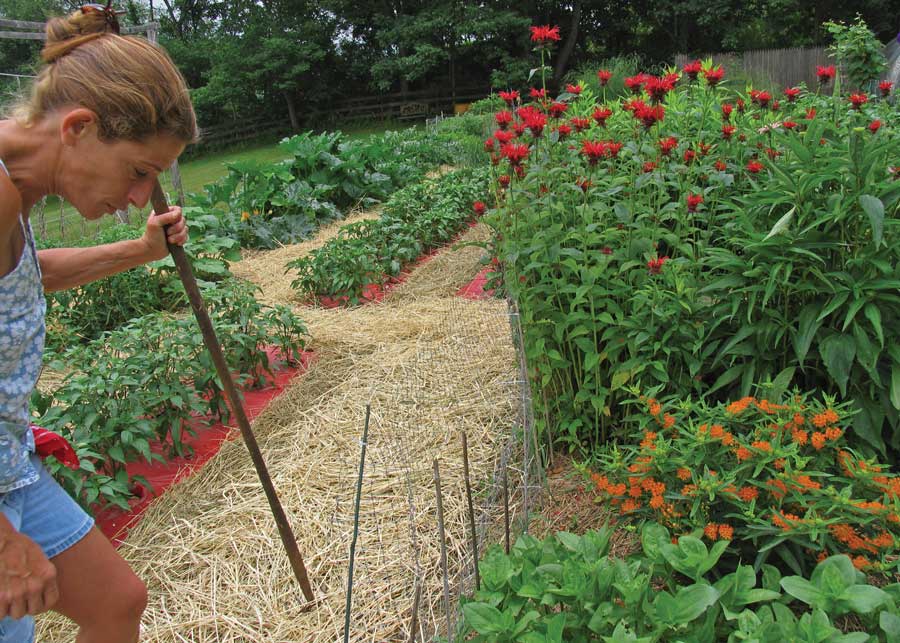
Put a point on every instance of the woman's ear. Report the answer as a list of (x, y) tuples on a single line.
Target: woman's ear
[(76, 124)]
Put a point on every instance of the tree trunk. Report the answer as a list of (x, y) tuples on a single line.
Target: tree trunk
[(292, 112), (565, 53)]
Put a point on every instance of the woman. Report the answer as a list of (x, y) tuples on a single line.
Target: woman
[(106, 115)]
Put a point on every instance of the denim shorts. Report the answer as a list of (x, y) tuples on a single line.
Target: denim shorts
[(44, 512)]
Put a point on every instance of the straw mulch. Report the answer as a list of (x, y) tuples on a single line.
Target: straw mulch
[(431, 366), (267, 268)]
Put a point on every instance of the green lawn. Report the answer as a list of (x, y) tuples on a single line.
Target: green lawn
[(195, 173)]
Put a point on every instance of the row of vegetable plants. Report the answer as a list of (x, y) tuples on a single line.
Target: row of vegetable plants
[(415, 221), (568, 588), (708, 279), (146, 382)]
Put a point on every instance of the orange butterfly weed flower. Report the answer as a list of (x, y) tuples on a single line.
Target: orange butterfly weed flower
[(688, 489), (818, 440), (799, 419), (861, 562), (727, 439), (726, 532), (833, 433), (668, 421), (748, 493), (683, 474), (736, 408), (629, 506), (711, 531), (742, 453), (800, 437), (654, 407), (825, 418), (656, 502), (762, 445)]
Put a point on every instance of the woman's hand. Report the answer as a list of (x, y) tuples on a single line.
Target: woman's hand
[(27, 577), (154, 235)]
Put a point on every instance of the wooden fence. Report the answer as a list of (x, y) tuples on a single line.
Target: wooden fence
[(777, 68)]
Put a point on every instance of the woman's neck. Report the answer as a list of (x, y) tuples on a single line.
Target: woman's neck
[(31, 156)]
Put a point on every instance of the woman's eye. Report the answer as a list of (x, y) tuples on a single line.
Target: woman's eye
[(140, 173)]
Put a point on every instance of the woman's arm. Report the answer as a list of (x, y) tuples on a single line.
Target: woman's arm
[(64, 268)]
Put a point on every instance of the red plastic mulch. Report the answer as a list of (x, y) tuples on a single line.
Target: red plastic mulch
[(115, 523), (475, 288), (376, 292)]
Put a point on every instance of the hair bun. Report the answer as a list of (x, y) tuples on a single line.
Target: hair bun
[(65, 34)]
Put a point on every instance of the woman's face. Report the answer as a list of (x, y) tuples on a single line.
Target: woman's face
[(100, 177)]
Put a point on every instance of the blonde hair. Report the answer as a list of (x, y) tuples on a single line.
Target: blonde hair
[(131, 84)]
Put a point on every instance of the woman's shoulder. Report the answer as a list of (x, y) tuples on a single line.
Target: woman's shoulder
[(10, 203)]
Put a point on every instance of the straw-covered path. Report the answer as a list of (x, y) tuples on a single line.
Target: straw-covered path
[(432, 365)]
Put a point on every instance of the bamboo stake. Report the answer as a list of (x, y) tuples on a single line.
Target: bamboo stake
[(414, 624), (359, 481), (473, 534), (160, 205), (442, 536), (506, 508)]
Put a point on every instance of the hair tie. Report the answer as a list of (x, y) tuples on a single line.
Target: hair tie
[(109, 14)]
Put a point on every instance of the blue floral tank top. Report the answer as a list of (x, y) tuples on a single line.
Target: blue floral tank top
[(22, 308)]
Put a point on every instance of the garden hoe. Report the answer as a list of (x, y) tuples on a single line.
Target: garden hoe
[(158, 199)]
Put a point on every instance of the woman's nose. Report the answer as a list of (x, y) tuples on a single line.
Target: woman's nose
[(139, 194)]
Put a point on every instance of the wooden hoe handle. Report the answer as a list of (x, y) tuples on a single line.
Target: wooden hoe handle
[(160, 205)]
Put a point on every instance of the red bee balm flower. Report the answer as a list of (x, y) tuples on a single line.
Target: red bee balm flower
[(564, 131), (648, 115), (580, 124), (515, 153), (601, 114), (504, 137), (594, 151), (489, 145), (720, 165), (613, 148), (649, 166), (874, 126), (509, 97), (789, 125), (544, 35), (666, 145), (727, 108), (761, 98), (503, 180), (727, 131), (657, 88), (810, 113), (557, 109), (858, 100), (693, 200), (689, 156), (655, 265), (635, 83), (825, 74), (754, 167), (573, 89), (885, 88), (537, 93), (713, 75), (692, 69), (504, 119), (792, 93), (479, 208), (604, 76)]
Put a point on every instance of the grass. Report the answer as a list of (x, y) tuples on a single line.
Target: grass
[(195, 173)]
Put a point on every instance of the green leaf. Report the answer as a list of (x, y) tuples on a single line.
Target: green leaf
[(484, 618), (874, 316), (808, 325), (875, 209), (862, 599), (692, 601), (782, 224), (803, 590), (890, 625), (895, 385), (838, 351)]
